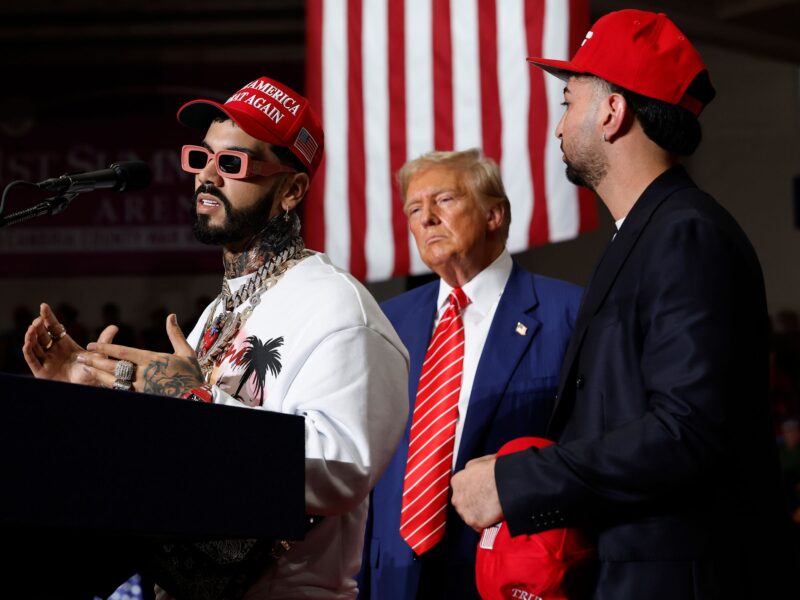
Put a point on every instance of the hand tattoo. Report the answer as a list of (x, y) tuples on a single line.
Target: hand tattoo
[(172, 376)]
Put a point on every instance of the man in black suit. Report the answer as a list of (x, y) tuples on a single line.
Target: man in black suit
[(665, 447)]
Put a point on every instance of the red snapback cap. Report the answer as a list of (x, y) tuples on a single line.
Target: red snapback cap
[(643, 52), (549, 565), (269, 111)]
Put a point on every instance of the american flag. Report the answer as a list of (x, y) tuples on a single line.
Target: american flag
[(306, 144), (393, 79)]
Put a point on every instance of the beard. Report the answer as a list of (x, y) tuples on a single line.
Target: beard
[(586, 168), (239, 224), (586, 163)]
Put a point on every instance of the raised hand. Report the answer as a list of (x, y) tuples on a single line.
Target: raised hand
[(52, 354), (153, 372)]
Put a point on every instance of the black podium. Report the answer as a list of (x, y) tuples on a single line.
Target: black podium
[(91, 478)]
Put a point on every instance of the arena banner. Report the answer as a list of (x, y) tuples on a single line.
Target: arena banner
[(100, 232), (88, 126)]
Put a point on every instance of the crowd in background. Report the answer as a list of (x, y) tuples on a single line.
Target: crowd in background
[(785, 396), (151, 335)]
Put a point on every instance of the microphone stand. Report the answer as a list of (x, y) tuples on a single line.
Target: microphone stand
[(49, 206)]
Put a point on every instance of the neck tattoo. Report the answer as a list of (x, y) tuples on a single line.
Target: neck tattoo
[(270, 253), (276, 235)]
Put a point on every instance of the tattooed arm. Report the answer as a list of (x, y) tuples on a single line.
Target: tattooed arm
[(171, 375), (155, 372)]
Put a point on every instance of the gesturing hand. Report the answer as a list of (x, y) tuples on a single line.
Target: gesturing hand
[(52, 354), (154, 372)]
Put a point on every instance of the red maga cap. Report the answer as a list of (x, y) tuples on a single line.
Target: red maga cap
[(643, 52), (268, 111), (549, 565)]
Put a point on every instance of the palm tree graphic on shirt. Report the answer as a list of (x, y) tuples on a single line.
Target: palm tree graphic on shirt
[(258, 357)]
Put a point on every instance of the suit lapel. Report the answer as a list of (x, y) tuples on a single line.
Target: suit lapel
[(420, 329), (502, 352), (614, 258)]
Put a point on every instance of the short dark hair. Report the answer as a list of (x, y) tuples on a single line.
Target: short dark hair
[(288, 158), (672, 127)]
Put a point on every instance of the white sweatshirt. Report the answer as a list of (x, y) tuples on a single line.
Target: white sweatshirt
[(325, 352)]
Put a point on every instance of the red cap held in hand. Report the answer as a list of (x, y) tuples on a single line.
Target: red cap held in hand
[(544, 566)]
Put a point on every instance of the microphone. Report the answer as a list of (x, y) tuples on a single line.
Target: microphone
[(122, 176)]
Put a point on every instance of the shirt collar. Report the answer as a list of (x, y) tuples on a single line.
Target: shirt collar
[(483, 289)]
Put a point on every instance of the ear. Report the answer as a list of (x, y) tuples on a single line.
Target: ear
[(294, 190), (495, 214), (615, 112)]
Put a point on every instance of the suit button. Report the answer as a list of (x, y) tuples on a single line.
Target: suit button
[(579, 382)]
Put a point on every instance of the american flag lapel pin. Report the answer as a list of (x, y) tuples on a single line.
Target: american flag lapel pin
[(521, 329)]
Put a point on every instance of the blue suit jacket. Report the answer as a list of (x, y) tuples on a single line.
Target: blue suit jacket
[(512, 396)]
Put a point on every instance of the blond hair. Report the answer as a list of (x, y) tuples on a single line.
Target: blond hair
[(481, 179)]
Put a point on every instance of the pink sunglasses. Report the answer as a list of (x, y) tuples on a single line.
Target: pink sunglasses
[(229, 163)]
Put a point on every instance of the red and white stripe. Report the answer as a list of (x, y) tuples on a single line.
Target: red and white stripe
[(433, 428), (393, 79)]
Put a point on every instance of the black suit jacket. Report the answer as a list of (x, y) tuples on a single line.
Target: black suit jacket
[(665, 445)]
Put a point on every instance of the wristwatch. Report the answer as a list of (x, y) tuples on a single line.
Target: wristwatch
[(202, 393)]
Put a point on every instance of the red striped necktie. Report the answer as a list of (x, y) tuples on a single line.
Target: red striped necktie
[(430, 449)]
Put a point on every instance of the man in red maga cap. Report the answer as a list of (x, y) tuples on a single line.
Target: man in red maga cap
[(665, 449), (289, 332)]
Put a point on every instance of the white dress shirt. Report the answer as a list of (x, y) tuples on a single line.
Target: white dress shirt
[(484, 291)]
